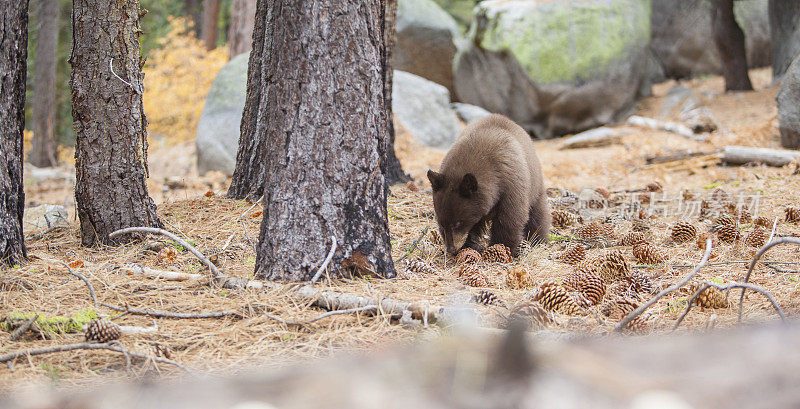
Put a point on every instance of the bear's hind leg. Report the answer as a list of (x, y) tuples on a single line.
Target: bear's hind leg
[(537, 230)]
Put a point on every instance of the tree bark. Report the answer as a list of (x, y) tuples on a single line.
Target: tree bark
[(248, 178), (784, 27), (240, 35), (194, 10), (210, 23), (13, 59), (43, 152), (326, 123), (109, 120), (729, 39)]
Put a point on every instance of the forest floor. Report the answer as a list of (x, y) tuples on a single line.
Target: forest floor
[(195, 207)]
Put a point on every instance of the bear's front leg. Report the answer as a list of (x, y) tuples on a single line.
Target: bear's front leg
[(507, 229), (475, 238)]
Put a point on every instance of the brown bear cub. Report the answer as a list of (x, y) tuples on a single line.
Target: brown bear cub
[(491, 174)]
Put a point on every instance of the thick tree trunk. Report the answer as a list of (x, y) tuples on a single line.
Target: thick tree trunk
[(210, 23), (326, 123), (240, 35), (194, 12), (43, 152), (784, 26), (729, 39), (109, 120), (249, 178), (13, 59)]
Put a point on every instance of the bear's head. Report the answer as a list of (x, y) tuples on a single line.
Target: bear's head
[(459, 204)]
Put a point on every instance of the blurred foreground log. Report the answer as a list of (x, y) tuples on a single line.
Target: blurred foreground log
[(748, 367), (740, 155)]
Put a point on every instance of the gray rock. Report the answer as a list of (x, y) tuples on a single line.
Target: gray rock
[(423, 108), (682, 38), (426, 37), (469, 113), (784, 19), (217, 137), (556, 67), (789, 106), (44, 217)]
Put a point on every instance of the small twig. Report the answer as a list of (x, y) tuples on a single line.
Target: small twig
[(326, 262), (720, 263), (414, 245), (173, 226), (638, 311), (85, 345), (725, 288), (326, 315), (88, 284), (214, 271), (774, 229), (168, 314), (125, 352), (779, 270), (23, 328), (758, 255), (111, 67)]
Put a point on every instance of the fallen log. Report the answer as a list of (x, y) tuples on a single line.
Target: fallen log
[(740, 155)]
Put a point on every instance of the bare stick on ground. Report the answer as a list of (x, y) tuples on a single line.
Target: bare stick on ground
[(214, 271), (326, 315), (23, 328), (168, 314), (638, 311), (414, 245), (88, 284), (85, 345), (326, 262), (758, 255), (726, 287)]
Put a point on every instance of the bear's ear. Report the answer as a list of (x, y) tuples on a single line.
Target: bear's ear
[(468, 186), (436, 179)]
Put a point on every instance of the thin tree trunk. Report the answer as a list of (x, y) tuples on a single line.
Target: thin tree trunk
[(784, 27), (240, 35), (109, 120), (43, 152), (393, 168), (248, 177), (13, 59), (210, 23), (193, 9), (326, 126), (729, 39)]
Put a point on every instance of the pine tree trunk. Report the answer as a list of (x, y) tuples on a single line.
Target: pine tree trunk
[(193, 9), (43, 152), (13, 59), (210, 23), (109, 120), (248, 178), (327, 125), (729, 39), (240, 35), (784, 27)]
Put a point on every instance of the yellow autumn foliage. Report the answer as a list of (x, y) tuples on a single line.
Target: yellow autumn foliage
[(178, 75)]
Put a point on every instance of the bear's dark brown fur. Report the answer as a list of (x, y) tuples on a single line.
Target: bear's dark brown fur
[(491, 174)]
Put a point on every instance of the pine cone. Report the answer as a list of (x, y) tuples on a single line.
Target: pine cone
[(622, 290), (792, 214), (711, 297), (554, 297), (487, 297), (418, 266), (497, 253), (618, 309), (720, 196), (654, 187), (603, 192), (641, 282), (727, 233), (102, 330), (762, 221), (701, 241), (639, 324), (475, 279), (593, 288), (683, 232), (532, 314), (517, 277), (648, 254), (645, 197), (468, 256), (468, 269), (573, 254), (594, 230), (757, 237), (612, 266), (640, 225), (632, 238), (743, 215), (562, 219), (724, 219)]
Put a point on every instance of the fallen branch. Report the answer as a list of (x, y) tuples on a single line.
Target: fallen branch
[(326, 262), (214, 271), (88, 284), (758, 255), (135, 269), (740, 155), (22, 329), (414, 245), (85, 345), (326, 315), (168, 314), (133, 330), (726, 287), (652, 160), (673, 127), (638, 311)]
